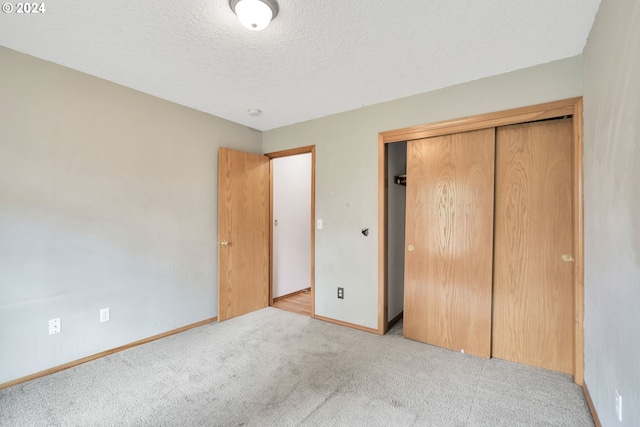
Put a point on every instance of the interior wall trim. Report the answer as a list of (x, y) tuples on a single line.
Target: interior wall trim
[(482, 121), (285, 153), (396, 319), (567, 107), (104, 353), (291, 152), (347, 324), (592, 408)]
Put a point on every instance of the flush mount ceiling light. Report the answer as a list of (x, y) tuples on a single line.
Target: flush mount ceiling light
[(255, 14)]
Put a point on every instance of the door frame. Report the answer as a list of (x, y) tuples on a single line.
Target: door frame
[(573, 107), (286, 153)]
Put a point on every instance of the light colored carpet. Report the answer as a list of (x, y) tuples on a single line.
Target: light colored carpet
[(275, 368)]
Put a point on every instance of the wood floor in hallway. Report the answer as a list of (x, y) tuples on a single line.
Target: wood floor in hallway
[(299, 302)]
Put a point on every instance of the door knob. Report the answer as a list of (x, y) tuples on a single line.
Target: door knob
[(224, 243), (567, 258), (411, 248)]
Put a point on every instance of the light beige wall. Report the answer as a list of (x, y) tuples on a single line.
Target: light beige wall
[(108, 198), (347, 171), (612, 210)]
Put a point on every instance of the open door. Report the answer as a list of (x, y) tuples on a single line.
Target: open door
[(243, 233)]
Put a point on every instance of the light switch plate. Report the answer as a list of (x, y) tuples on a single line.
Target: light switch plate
[(618, 405)]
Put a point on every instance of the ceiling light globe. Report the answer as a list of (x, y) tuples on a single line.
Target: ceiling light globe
[(253, 14)]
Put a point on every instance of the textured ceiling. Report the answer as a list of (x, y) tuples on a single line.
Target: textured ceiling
[(316, 58)]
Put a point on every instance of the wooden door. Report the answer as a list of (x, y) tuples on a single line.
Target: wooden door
[(533, 285), (243, 233), (449, 235)]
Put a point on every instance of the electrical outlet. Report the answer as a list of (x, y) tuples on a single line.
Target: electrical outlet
[(55, 326), (618, 405), (104, 314), (341, 293)]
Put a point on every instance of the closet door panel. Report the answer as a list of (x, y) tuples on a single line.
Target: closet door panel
[(449, 238), (533, 285)]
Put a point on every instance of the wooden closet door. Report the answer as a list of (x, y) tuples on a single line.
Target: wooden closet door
[(449, 238), (533, 286)]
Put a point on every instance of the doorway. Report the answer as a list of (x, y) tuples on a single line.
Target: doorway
[(292, 236), (566, 108)]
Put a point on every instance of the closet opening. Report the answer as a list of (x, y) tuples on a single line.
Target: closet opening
[(450, 145), (396, 212)]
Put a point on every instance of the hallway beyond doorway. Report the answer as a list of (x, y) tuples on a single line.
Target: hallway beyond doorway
[(298, 302)]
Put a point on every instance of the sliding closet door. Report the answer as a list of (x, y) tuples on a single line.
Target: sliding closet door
[(449, 238), (533, 273)]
